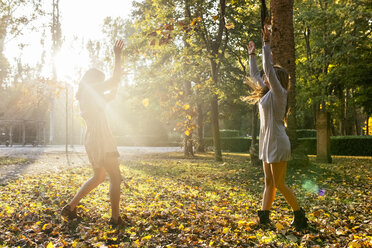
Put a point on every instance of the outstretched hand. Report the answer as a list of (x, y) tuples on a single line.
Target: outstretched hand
[(118, 47), (251, 47), (266, 33)]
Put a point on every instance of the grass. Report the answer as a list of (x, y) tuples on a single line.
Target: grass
[(177, 202), (11, 160)]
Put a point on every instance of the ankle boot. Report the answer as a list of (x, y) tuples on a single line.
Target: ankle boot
[(264, 216), (68, 213), (299, 220)]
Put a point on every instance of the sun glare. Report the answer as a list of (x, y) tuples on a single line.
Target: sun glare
[(70, 65)]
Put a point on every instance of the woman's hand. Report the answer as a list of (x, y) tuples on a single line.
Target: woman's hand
[(266, 33), (118, 47), (251, 48)]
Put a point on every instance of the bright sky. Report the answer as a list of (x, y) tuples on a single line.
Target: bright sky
[(81, 19)]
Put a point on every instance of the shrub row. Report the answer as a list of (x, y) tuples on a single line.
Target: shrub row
[(340, 145), (305, 133)]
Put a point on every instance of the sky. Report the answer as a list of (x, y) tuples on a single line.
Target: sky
[(81, 20)]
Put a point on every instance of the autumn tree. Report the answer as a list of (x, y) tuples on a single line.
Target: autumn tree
[(12, 21), (333, 47)]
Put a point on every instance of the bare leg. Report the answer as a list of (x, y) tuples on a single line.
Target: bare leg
[(88, 186), (279, 172), (270, 190), (112, 168)]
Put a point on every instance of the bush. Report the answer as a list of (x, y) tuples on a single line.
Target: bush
[(144, 140), (305, 133), (232, 144), (342, 145), (229, 133)]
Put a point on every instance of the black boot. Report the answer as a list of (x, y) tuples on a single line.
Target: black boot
[(299, 220), (264, 216)]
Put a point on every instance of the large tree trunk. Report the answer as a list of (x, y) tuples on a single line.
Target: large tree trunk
[(283, 51)]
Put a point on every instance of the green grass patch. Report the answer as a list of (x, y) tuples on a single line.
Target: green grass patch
[(11, 160), (177, 202)]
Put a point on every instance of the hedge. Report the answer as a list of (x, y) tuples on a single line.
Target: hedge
[(305, 133), (231, 144), (340, 145), (229, 133)]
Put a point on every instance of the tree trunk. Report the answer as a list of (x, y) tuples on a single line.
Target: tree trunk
[(200, 120), (283, 51), (253, 150), (188, 144), (214, 116)]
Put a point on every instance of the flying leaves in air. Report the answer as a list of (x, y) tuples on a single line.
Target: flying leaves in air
[(145, 102), (230, 25)]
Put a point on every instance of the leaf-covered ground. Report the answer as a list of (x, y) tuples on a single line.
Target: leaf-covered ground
[(176, 202)]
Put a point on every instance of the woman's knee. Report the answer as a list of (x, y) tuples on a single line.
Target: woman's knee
[(99, 175), (269, 183), (280, 185)]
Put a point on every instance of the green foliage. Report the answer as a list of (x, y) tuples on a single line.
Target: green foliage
[(174, 202), (11, 160), (229, 133), (303, 133), (342, 145), (333, 51), (232, 144)]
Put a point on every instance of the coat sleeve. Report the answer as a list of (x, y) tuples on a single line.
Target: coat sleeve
[(268, 67), (254, 72)]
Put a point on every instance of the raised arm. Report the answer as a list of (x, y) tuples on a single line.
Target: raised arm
[(113, 82), (253, 68), (268, 64)]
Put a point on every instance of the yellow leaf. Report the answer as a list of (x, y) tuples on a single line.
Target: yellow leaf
[(215, 18), (50, 245), (145, 102), (181, 227), (198, 86), (279, 226), (187, 133), (146, 237), (226, 230), (354, 244), (211, 243), (47, 226), (186, 106), (230, 26), (75, 243)]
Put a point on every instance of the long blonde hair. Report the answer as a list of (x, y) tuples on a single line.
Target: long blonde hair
[(258, 92)]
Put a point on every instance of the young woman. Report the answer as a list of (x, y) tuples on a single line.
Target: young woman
[(274, 146), (93, 94)]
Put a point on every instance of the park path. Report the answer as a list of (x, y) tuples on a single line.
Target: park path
[(53, 159)]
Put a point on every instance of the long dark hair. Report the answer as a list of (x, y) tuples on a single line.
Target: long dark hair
[(91, 76)]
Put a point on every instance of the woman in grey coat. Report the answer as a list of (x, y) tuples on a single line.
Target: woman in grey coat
[(274, 146)]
